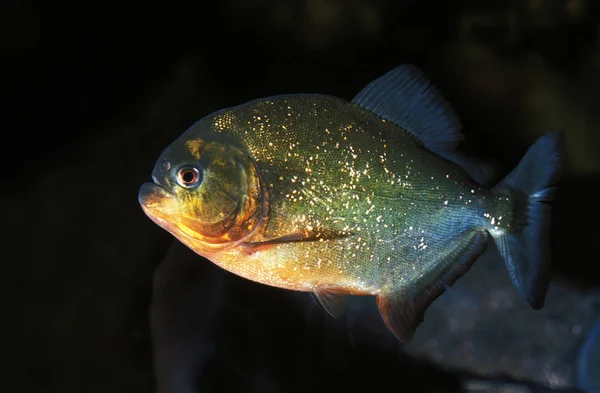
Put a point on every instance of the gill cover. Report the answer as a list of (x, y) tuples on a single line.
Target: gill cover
[(225, 205), (228, 204)]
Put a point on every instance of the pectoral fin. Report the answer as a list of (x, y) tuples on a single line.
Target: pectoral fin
[(332, 300), (403, 310), (303, 236)]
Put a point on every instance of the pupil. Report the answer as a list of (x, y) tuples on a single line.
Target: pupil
[(188, 177)]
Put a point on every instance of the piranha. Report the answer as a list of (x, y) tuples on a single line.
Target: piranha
[(314, 193)]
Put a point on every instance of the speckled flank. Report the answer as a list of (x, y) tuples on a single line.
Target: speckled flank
[(354, 201)]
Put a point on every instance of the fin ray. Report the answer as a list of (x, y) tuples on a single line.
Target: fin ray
[(406, 97), (332, 300), (403, 311), (526, 250), (306, 236)]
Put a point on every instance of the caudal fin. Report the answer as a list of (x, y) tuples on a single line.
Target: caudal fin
[(532, 184)]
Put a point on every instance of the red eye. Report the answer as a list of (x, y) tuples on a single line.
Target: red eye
[(188, 176)]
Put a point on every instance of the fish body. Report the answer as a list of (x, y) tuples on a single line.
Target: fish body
[(314, 193)]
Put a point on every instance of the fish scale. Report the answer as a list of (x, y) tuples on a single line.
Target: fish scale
[(342, 161)]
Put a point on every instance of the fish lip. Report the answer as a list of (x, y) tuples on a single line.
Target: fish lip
[(152, 198), (151, 192)]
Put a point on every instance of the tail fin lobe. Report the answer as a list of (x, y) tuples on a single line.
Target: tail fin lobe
[(526, 249)]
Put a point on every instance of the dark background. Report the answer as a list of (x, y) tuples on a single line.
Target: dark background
[(93, 91)]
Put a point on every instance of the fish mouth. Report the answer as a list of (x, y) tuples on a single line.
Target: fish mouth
[(158, 204), (163, 208)]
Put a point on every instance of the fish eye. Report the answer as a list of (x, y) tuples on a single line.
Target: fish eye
[(188, 176)]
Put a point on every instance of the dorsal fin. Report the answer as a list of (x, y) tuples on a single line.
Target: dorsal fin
[(406, 97)]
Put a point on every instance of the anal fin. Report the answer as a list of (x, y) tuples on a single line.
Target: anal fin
[(403, 310)]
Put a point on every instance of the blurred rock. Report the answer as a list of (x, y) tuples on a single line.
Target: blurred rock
[(588, 364), (483, 325), (186, 299)]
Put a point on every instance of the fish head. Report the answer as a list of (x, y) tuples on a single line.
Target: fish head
[(206, 191)]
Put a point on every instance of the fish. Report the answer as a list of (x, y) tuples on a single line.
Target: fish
[(367, 197)]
